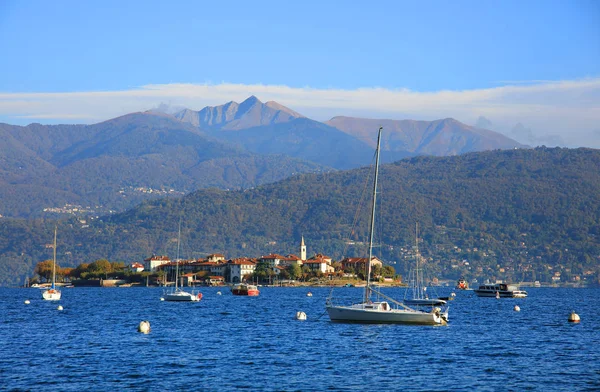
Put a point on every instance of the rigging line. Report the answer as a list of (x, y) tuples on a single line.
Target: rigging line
[(323, 314), (359, 208)]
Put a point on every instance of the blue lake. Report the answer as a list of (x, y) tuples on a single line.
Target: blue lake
[(226, 343)]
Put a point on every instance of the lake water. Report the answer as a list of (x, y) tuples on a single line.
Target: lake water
[(226, 343)]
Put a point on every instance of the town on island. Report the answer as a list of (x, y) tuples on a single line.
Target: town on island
[(216, 270)]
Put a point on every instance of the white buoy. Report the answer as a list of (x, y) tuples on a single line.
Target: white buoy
[(218, 293), (453, 295), (59, 307), (517, 308), (27, 302), (144, 327), (309, 294), (162, 299), (300, 316), (574, 317)]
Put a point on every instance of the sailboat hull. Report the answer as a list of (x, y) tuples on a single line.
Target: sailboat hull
[(425, 302), (51, 295), (363, 315), (182, 296)]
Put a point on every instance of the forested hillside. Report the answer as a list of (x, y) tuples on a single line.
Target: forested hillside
[(117, 164), (519, 215)]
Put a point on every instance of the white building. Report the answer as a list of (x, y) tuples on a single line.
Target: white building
[(151, 263), (239, 268)]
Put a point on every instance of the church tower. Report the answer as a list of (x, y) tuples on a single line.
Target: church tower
[(303, 250)]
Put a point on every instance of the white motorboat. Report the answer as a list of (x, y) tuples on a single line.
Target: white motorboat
[(500, 290)]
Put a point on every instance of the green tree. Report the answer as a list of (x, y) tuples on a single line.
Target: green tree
[(44, 269), (79, 270), (305, 272), (101, 266), (294, 270), (388, 271), (261, 272)]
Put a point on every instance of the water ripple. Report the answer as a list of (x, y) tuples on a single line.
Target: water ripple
[(226, 343)]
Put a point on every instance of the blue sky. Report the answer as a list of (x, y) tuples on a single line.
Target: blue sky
[(536, 63)]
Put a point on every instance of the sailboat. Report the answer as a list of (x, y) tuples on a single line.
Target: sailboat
[(179, 294), (416, 294), (387, 310), (53, 294)]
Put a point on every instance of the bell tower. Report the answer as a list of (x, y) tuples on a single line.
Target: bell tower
[(303, 250)]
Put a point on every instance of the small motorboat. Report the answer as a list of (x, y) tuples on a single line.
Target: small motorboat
[(245, 289)]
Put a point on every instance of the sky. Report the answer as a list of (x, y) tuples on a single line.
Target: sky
[(528, 69)]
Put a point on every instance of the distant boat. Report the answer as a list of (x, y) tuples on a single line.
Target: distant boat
[(53, 294), (462, 284), (179, 294), (416, 294), (245, 289), (500, 290), (379, 311)]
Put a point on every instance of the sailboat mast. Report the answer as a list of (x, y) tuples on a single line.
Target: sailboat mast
[(371, 234), (177, 261), (54, 260), (417, 290)]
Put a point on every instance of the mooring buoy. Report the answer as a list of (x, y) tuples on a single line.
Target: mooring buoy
[(574, 317), (27, 302), (300, 316), (144, 327), (517, 308), (59, 307)]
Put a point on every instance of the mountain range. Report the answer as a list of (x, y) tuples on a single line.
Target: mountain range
[(116, 164), (520, 214)]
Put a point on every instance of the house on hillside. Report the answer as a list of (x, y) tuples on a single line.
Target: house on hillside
[(216, 258), (239, 268), (360, 263), (273, 260), (153, 262), (321, 256), (319, 264), (136, 267), (291, 259)]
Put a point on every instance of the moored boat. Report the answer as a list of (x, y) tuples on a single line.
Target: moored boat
[(501, 290), (416, 295), (178, 294), (53, 293), (390, 311), (245, 289), (462, 284)]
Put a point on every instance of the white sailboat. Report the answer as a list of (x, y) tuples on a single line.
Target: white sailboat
[(178, 294), (52, 294), (416, 295), (380, 311)]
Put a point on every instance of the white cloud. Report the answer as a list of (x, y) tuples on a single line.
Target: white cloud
[(567, 111)]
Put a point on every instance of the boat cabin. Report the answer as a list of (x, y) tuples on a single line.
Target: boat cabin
[(381, 306)]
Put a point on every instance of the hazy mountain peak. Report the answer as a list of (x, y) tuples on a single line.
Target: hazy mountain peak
[(277, 106), (233, 116), (251, 100), (446, 136)]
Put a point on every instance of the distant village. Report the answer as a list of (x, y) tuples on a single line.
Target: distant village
[(216, 270)]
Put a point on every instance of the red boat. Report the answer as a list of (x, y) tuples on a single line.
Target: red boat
[(245, 289), (462, 284)]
